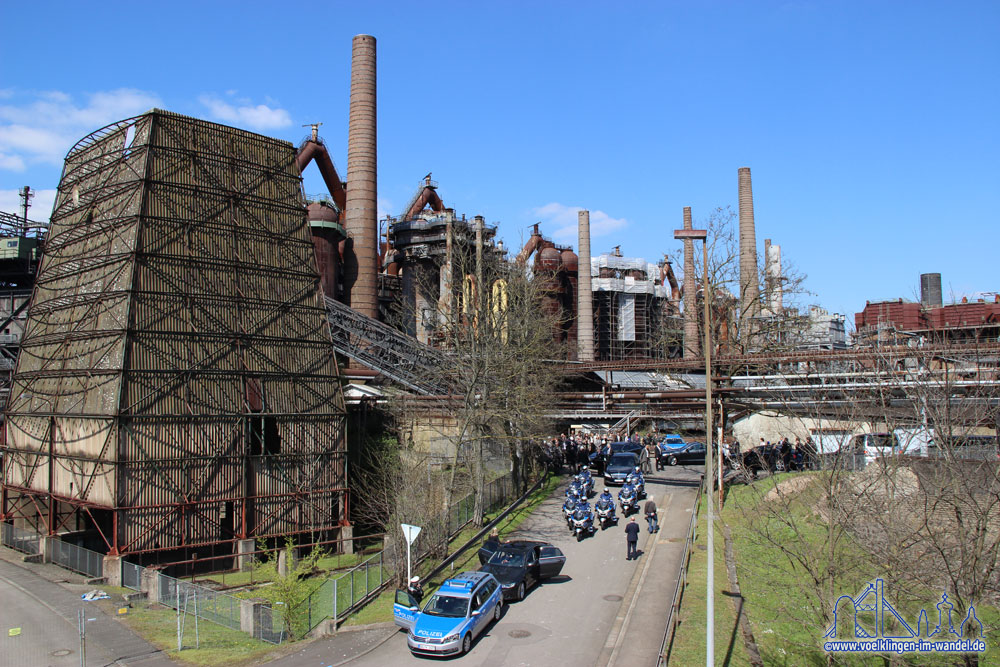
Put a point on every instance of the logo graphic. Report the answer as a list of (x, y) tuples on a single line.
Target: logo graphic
[(867, 623)]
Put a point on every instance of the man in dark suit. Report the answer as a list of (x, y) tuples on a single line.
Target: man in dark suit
[(631, 538)]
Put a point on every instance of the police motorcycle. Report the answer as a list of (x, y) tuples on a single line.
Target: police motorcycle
[(638, 481), (582, 522), (575, 489), (586, 481), (569, 506), (628, 498), (605, 509)]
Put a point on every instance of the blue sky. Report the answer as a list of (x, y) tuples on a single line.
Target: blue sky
[(870, 127)]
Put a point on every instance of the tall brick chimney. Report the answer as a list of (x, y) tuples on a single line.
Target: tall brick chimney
[(361, 216), (749, 282), (691, 342), (585, 297)]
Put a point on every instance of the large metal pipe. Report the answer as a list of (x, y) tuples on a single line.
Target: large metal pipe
[(311, 150), (585, 297), (749, 282), (692, 347), (361, 216)]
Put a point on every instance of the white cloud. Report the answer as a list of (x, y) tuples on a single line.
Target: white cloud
[(245, 114), (40, 127), (564, 218), (41, 205)]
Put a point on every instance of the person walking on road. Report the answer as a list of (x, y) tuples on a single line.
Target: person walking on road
[(649, 509), (631, 538)]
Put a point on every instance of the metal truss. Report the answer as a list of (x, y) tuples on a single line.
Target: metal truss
[(396, 355)]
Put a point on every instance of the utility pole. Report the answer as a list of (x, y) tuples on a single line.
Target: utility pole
[(702, 235)]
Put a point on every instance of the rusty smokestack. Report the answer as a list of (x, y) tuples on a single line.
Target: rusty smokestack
[(749, 282), (361, 216), (584, 298), (691, 342)]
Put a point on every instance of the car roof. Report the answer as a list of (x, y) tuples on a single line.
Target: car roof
[(464, 584), (618, 455), (522, 545)]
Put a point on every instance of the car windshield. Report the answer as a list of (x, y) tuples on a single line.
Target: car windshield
[(622, 460), (673, 441), (447, 605), (507, 558)]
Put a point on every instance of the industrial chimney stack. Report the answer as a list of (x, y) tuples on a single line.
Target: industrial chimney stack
[(930, 290), (749, 283), (361, 216), (772, 272), (585, 298), (691, 346)]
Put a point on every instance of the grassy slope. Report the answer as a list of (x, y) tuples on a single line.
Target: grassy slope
[(782, 611)]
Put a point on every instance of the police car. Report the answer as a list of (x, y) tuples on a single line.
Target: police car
[(453, 617)]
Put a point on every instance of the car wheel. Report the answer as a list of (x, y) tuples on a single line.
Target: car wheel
[(497, 610), (467, 643), (520, 590), (672, 460)]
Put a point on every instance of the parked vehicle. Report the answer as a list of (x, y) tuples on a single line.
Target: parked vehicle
[(521, 564), (691, 452), (618, 468), (874, 445), (453, 617), (669, 444)]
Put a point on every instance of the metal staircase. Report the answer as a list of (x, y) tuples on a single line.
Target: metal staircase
[(380, 347)]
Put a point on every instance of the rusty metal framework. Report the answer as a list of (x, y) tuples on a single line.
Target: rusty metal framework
[(176, 384)]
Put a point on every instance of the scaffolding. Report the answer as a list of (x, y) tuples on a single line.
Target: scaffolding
[(631, 311), (176, 385)]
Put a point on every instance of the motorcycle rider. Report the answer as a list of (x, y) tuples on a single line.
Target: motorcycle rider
[(607, 500), (628, 490), (637, 480)]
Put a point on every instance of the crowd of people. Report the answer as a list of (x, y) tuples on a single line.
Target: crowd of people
[(782, 454), (575, 451)]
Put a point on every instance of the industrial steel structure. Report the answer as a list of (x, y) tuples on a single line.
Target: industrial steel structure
[(176, 384)]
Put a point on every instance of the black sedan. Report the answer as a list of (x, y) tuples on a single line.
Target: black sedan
[(692, 452), (520, 565), (618, 468)]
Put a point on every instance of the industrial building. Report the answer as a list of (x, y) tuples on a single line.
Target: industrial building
[(175, 386), (899, 321)]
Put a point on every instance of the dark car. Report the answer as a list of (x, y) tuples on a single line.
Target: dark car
[(760, 459), (520, 565), (670, 444), (691, 452), (619, 466), (625, 446)]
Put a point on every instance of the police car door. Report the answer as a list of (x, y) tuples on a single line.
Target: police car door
[(405, 609)]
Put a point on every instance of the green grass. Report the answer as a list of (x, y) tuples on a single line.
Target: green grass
[(782, 601), (380, 609), (689, 641), (219, 645)]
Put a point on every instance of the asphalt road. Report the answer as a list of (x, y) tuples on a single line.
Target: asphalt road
[(43, 617), (586, 616)]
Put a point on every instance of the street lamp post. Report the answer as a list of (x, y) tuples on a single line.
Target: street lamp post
[(702, 234)]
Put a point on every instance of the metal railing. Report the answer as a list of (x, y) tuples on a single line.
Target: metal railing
[(25, 541), (675, 605), (76, 558)]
